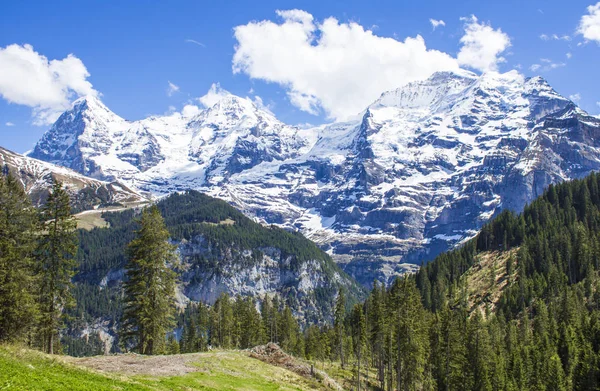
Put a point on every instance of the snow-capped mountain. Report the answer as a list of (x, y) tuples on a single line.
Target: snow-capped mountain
[(420, 170), (86, 193), (162, 154)]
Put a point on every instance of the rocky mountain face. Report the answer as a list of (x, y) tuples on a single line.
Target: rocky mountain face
[(419, 171), (221, 251), (86, 193)]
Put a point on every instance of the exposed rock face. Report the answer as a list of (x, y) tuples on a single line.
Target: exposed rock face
[(86, 193), (222, 251), (419, 171)]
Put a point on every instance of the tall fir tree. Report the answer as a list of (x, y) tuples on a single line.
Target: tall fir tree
[(56, 255), (149, 289), (359, 339), (18, 230), (339, 315)]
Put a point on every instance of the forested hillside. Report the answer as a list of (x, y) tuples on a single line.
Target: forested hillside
[(221, 250), (542, 333)]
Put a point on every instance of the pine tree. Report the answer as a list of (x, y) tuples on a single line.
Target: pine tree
[(56, 252), (149, 289), (18, 229), (339, 314), (359, 338)]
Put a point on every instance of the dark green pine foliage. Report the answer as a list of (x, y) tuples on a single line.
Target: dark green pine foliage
[(422, 333), (149, 287), (56, 251), (18, 230), (103, 253), (359, 339)]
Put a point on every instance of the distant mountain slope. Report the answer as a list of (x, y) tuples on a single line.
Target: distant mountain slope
[(86, 193), (552, 245), (221, 251), (419, 171)]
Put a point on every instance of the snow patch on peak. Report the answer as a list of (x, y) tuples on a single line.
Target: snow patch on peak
[(214, 95)]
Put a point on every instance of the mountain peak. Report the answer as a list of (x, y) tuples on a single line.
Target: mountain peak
[(88, 101)]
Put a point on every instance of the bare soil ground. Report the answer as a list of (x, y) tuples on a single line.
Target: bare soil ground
[(135, 364)]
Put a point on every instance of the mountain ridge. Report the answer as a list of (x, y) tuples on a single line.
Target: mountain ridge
[(419, 171), (86, 193)]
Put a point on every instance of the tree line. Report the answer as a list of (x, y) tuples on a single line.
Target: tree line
[(37, 250), (422, 333)]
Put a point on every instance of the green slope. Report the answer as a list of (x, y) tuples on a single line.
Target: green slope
[(22, 369)]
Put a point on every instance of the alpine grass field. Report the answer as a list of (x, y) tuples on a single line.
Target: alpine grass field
[(23, 369)]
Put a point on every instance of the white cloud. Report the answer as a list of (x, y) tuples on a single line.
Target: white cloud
[(547, 65), (598, 104), (29, 78), (214, 94), (9, 124), (332, 66), (190, 111), (555, 37), (569, 55), (195, 42), (172, 88), (589, 25), (482, 46), (575, 97), (436, 23)]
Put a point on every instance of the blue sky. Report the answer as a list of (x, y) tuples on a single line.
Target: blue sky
[(128, 52)]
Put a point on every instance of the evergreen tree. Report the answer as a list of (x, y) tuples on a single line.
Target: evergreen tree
[(18, 230), (56, 252), (149, 289), (359, 338), (339, 315)]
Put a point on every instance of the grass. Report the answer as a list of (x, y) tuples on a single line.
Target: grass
[(487, 278), (90, 220), (23, 369)]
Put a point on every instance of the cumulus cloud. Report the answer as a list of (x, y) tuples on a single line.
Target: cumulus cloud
[(575, 97), (9, 124), (330, 66), (482, 45), (190, 111), (47, 86), (172, 88), (214, 94), (589, 25), (437, 23)]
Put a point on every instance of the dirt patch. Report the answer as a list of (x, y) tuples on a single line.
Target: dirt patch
[(135, 364), (272, 354)]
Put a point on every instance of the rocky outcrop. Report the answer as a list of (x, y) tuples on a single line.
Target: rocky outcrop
[(86, 193)]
